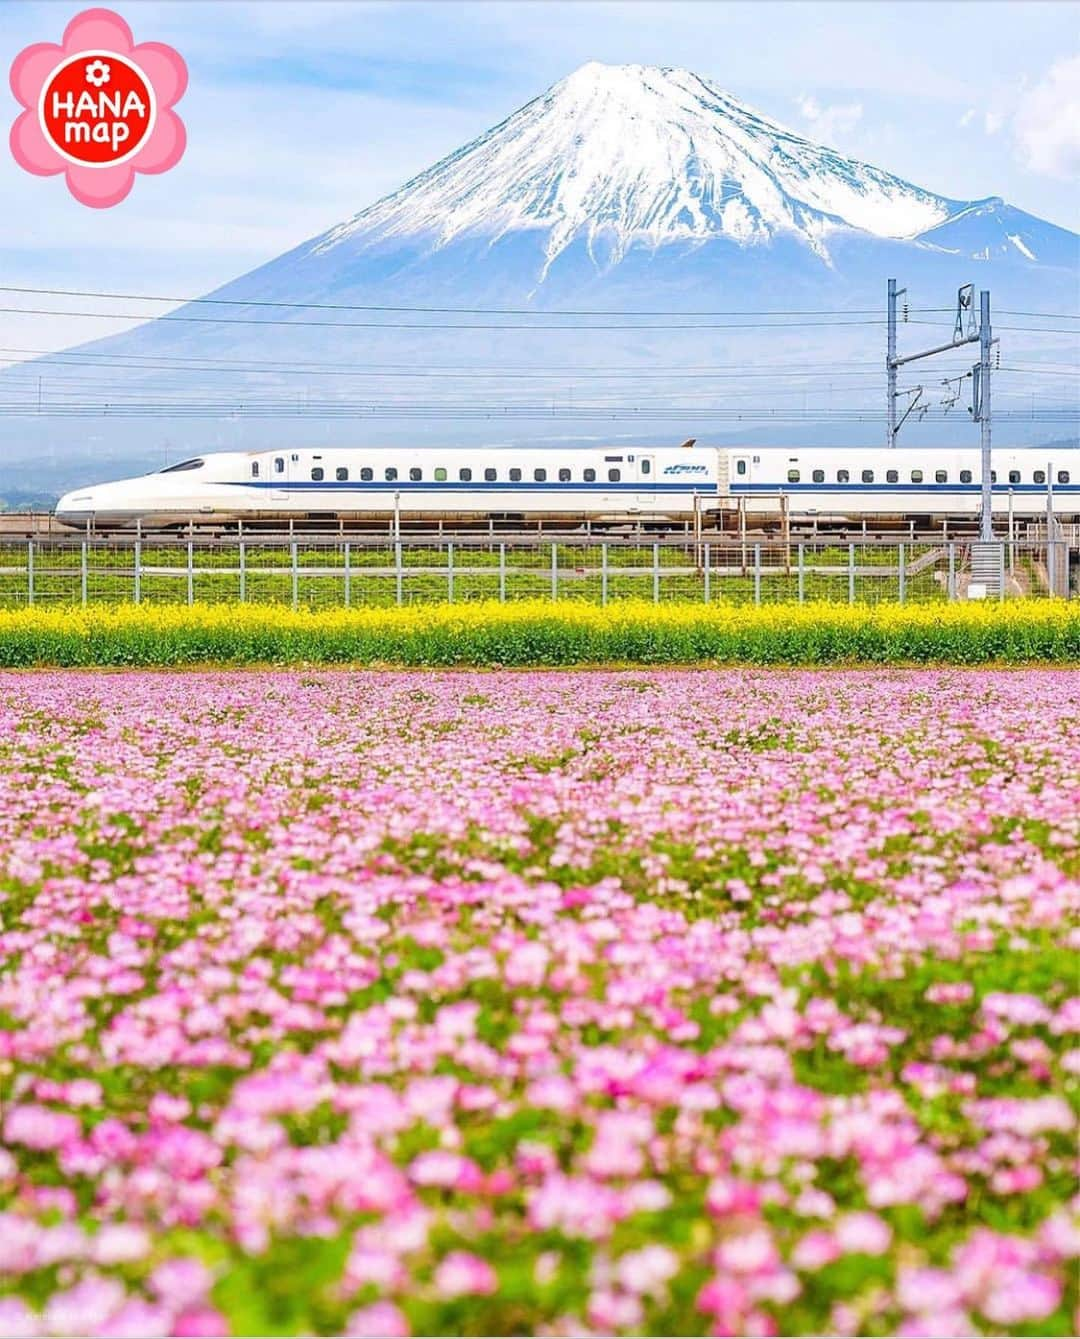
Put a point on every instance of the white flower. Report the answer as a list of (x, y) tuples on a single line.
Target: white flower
[(97, 73)]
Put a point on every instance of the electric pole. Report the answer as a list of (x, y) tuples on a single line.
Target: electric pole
[(982, 416), (890, 365), (965, 331)]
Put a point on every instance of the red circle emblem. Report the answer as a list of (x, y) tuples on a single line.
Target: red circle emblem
[(97, 108)]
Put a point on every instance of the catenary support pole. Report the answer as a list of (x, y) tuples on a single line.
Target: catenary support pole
[(986, 519)]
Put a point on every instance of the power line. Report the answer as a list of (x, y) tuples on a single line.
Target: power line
[(169, 319), (439, 311)]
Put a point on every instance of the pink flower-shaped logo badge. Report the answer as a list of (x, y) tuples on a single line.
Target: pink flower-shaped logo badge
[(98, 108)]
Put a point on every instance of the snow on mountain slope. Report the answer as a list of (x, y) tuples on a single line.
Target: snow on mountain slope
[(643, 154), (990, 229)]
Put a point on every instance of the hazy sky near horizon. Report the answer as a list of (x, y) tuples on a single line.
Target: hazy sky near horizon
[(301, 114)]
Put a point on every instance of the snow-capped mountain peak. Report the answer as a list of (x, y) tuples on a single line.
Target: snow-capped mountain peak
[(644, 154)]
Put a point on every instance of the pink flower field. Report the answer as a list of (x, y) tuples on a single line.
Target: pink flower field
[(538, 1003)]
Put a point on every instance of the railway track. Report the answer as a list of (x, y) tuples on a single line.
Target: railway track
[(15, 526)]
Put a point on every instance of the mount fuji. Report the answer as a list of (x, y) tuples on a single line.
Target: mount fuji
[(621, 189)]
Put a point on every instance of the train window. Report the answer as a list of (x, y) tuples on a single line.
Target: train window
[(793, 476), (614, 474), (941, 476), (965, 476), (254, 469), (341, 474), (843, 476), (391, 474), (1014, 476), (490, 475), (818, 476), (515, 475), (740, 467), (1039, 476), (367, 474), (316, 472), (892, 476), (540, 474), (589, 475), (279, 464), (416, 474), (993, 476), (868, 476), (1063, 476), (564, 476), (195, 464), (440, 474), (465, 475), (646, 467), (916, 476)]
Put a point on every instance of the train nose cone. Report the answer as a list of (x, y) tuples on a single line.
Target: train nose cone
[(76, 508)]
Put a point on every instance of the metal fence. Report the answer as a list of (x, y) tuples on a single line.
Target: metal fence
[(323, 573)]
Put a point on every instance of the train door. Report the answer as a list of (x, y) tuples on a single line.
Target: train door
[(279, 477), (740, 471), (646, 478)]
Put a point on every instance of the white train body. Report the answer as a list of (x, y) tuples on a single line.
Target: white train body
[(605, 483)]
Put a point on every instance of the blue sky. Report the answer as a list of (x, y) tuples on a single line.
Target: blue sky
[(300, 114)]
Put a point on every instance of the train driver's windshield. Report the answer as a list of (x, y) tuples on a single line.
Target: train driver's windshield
[(195, 464)]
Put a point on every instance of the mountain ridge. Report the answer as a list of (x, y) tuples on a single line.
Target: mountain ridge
[(708, 203)]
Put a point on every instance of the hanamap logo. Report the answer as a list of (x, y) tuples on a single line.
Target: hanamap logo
[(98, 108)]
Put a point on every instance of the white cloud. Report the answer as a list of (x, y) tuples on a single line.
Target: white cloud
[(992, 122), (830, 122), (1046, 126), (967, 117)]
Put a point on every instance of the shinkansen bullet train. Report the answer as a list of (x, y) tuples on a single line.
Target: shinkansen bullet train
[(603, 483)]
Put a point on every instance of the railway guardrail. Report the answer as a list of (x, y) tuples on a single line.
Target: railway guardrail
[(321, 571)]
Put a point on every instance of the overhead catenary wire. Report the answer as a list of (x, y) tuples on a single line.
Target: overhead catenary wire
[(295, 305)]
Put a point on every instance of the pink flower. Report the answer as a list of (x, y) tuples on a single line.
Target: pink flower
[(157, 67), (200, 1322), (181, 1282), (17, 1321), (40, 1127), (864, 1233), (647, 1270), (379, 1319), (460, 1273)]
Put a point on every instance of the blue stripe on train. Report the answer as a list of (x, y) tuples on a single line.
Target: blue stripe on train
[(685, 486)]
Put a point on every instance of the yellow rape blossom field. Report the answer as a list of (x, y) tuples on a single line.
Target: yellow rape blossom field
[(544, 633)]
